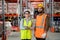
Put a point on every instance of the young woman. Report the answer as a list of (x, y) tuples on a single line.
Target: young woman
[(26, 26)]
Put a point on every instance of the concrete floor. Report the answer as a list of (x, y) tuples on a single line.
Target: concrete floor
[(51, 36)]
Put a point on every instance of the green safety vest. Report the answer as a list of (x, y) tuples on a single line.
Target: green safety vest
[(26, 34), (27, 23)]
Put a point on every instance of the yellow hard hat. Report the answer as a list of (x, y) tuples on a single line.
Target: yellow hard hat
[(40, 5)]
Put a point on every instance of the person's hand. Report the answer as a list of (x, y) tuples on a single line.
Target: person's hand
[(44, 35), (31, 28), (27, 28)]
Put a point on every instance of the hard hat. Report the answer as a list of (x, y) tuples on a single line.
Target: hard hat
[(27, 10), (40, 5), (31, 12)]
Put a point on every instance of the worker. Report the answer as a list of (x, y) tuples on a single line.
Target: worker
[(41, 27), (8, 27), (26, 26)]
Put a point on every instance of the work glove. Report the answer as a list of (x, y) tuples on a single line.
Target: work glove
[(44, 35)]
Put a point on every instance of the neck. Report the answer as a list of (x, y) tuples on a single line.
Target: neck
[(41, 14)]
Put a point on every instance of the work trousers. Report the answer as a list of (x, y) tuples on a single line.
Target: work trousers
[(40, 39), (26, 39)]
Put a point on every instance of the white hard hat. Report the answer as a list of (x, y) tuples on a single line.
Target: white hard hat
[(31, 12), (27, 10)]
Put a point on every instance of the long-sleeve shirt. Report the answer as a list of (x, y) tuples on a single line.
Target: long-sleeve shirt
[(22, 27), (21, 24)]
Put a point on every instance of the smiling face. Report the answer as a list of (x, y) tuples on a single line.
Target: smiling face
[(27, 14), (40, 9)]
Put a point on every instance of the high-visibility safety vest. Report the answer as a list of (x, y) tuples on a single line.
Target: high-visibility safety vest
[(26, 34), (40, 25), (27, 23)]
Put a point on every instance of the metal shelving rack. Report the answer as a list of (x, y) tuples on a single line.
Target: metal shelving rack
[(3, 33), (51, 12)]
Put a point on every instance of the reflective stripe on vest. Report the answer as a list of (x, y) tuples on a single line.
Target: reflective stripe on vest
[(27, 23), (41, 22)]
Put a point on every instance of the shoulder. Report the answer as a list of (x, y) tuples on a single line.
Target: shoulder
[(33, 20), (30, 19), (37, 16), (46, 15), (22, 19)]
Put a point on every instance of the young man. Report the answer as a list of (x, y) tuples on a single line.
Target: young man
[(41, 24), (26, 27)]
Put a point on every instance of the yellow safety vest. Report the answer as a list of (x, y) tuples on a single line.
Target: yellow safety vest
[(28, 24), (26, 34)]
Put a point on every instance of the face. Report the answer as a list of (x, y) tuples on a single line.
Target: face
[(27, 14), (40, 9)]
